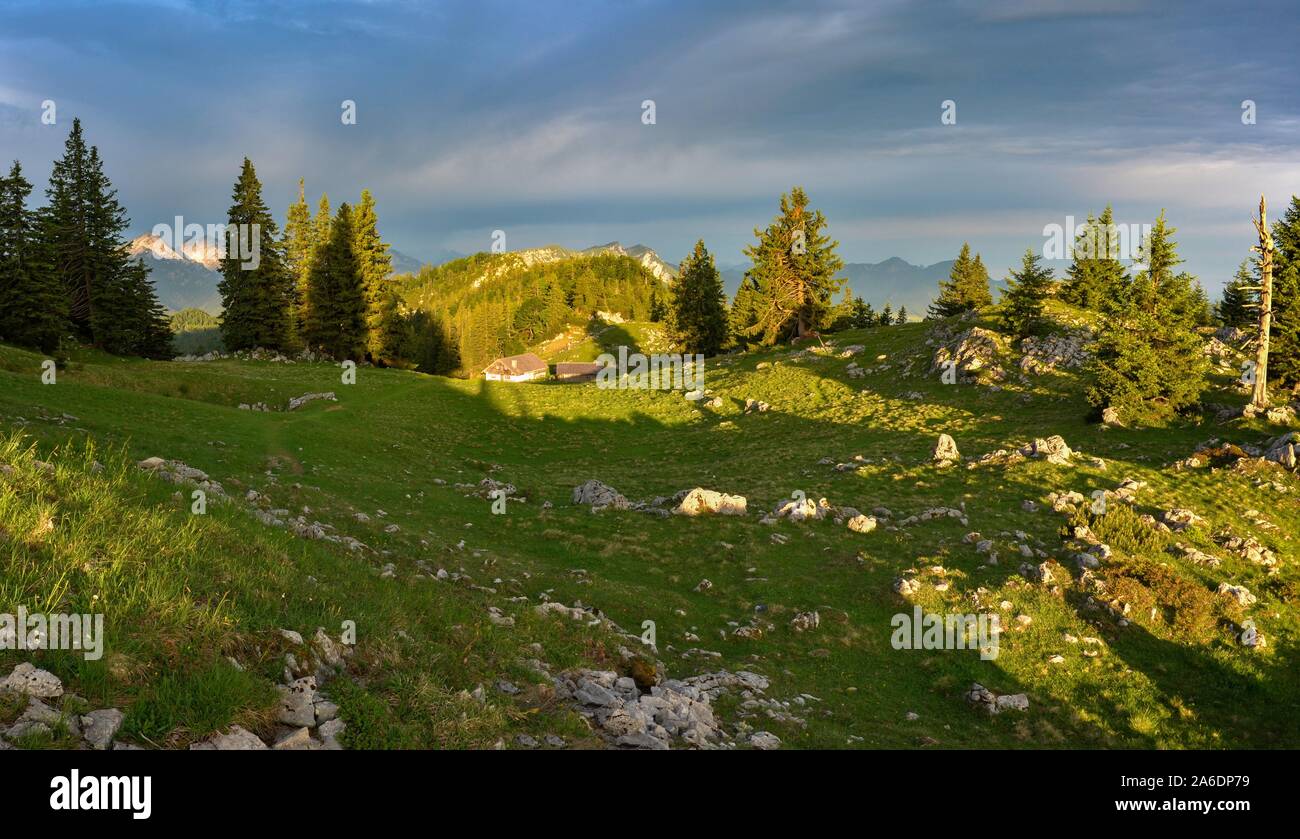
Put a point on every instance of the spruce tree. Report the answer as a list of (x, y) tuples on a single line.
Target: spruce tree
[(1239, 305), (862, 315), (793, 266), (744, 312), (299, 238), (886, 315), (375, 265), (902, 315), (1022, 300), (1284, 342), (966, 288), (256, 293), (1148, 362), (697, 310), (111, 302), (977, 288), (33, 312), (1096, 275), (336, 300)]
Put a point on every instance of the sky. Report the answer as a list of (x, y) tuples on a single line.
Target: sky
[(528, 117)]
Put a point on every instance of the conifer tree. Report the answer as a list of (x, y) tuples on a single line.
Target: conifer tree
[(33, 312), (1022, 300), (388, 333), (336, 301), (1284, 344), (1240, 302), (886, 315), (375, 265), (902, 315), (299, 238), (793, 266), (744, 313), (111, 302), (862, 315), (658, 309), (966, 288), (256, 287), (1095, 276), (697, 310), (1148, 361)]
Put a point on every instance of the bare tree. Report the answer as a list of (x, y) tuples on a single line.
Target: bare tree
[(1259, 396)]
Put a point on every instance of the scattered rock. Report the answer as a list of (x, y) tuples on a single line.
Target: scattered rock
[(945, 451), (699, 501)]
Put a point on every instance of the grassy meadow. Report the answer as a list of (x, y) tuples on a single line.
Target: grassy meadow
[(184, 594)]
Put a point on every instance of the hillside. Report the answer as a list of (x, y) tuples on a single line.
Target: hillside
[(500, 304), (373, 508)]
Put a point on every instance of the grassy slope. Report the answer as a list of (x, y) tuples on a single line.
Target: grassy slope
[(393, 433)]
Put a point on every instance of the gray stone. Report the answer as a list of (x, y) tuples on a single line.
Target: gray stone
[(101, 726)]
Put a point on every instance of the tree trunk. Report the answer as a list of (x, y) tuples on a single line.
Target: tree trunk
[(1259, 396)]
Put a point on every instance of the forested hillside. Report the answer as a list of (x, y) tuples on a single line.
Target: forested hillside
[(500, 304)]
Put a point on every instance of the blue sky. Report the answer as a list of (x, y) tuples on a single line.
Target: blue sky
[(526, 117)]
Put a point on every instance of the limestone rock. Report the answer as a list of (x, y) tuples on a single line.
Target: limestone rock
[(699, 501)]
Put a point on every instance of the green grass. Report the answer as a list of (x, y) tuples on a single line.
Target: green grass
[(182, 592)]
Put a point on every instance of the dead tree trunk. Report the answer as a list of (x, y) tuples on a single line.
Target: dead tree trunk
[(1259, 396)]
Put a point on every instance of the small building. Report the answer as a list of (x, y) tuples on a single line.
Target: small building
[(516, 368), (577, 371)]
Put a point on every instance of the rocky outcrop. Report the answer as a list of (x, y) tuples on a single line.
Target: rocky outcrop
[(298, 401), (599, 496), (976, 355), (1050, 353), (658, 717)]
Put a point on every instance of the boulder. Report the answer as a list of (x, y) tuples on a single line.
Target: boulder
[(699, 501), (99, 727), (945, 451), (599, 496), (27, 680), (1053, 449)]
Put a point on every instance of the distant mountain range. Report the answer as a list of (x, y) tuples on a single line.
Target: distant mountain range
[(894, 281), (189, 279)]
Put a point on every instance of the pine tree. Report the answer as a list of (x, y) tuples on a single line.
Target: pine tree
[(658, 309), (966, 288), (978, 292), (375, 264), (1148, 360), (1095, 276), (793, 266), (336, 302), (1240, 302), (1284, 344), (862, 315), (744, 313), (111, 302), (33, 312), (388, 330), (697, 307), (886, 315), (299, 238), (1022, 300), (902, 315), (256, 293)]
